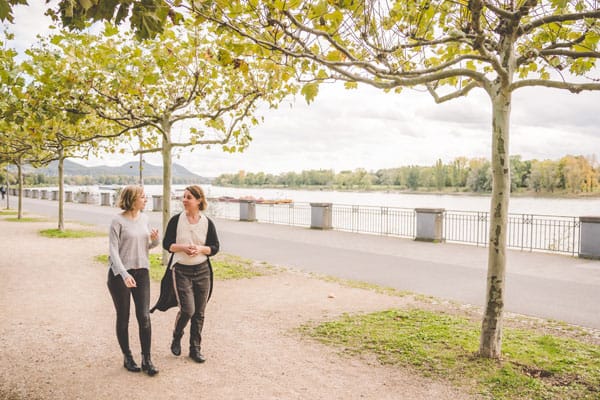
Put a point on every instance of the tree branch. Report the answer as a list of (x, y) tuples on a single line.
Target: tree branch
[(526, 28), (571, 87), (459, 93), (501, 13), (145, 151), (570, 53), (220, 111)]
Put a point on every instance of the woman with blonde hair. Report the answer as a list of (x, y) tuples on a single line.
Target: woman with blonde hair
[(130, 239)]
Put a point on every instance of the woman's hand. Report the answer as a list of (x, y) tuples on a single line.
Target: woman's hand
[(191, 250), (154, 234), (194, 250), (130, 282)]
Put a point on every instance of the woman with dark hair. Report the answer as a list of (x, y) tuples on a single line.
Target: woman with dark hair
[(191, 238), (130, 239)]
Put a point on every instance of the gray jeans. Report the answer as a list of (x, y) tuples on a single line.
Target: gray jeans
[(192, 284)]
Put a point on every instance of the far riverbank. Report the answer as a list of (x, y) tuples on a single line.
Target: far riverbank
[(449, 192), (519, 204)]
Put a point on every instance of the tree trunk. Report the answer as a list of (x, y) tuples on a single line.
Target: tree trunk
[(166, 157), (141, 163), (61, 186), (490, 345), (20, 198), (7, 187)]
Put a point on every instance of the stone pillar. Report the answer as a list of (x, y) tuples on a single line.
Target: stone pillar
[(157, 203), (84, 197), (44, 194), (247, 210), (68, 196), (430, 224), (320, 216), (27, 192), (589, 241), (55, 195), (90, 199), (105, 199), (35, 193)]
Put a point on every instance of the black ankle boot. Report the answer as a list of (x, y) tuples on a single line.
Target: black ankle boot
[(147, 366), (130, 364), (196, 355), (176, 345)]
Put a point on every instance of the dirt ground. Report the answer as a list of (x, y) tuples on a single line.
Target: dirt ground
[(57, 337)]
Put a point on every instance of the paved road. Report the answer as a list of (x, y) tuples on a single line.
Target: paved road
[(550, 286)]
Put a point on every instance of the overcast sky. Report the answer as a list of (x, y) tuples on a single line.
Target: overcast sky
[(367, 128)]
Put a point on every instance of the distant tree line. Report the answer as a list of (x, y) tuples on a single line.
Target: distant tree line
[(570, 174)]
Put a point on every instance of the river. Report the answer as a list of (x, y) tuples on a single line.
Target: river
[(567, 207), (518, 205)]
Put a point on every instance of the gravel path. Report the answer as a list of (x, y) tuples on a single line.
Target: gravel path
[(57, 337)]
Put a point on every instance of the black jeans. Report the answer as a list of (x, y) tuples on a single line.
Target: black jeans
[(141, 298), (192, 283)]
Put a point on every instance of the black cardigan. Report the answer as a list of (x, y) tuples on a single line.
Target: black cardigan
[(167, 297)]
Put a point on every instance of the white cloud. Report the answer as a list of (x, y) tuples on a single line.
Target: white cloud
[(30, 22), (367, 128)]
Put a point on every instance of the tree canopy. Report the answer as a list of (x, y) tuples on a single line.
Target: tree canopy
[(188, 78)]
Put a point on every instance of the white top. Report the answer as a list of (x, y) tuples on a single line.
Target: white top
[(190, 234)]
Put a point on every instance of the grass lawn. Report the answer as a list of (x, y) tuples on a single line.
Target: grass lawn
[(70, 233), (8, 212), (26, 219), (225, 266), (534, 366)]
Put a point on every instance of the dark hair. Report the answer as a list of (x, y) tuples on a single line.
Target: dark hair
[(128, 196), (198, 193)]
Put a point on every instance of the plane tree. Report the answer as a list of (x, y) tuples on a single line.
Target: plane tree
[(449, 48), (40, 122), (187, 87), (51, 117), (15, 147)]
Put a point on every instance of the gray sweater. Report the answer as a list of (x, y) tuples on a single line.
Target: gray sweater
[(128, 244)]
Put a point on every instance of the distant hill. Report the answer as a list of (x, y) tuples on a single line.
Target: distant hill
[(130, 169)]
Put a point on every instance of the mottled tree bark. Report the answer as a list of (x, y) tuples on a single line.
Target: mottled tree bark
[(61, 188), (491, 330), (20, 198), (167, 162)]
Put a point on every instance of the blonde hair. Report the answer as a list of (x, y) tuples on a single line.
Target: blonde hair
[(128, 196), (198, 193)]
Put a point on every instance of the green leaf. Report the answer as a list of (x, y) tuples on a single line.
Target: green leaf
[(322, 74), (310, 91), (318, 10), (110, 30), (334, 55), (5, 11), (86, 4), (122, 13)]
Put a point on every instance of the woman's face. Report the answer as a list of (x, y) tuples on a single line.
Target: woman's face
[(190, 203), (140, 202)]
